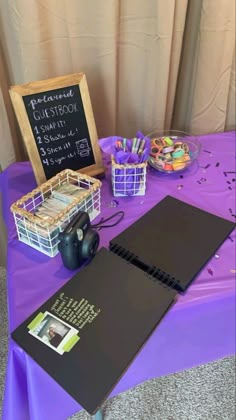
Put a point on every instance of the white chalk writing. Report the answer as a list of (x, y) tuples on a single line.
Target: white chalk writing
[(50, 98), (56, 111)]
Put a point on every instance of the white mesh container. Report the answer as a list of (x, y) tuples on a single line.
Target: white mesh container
[(128, 179), (43, 235)]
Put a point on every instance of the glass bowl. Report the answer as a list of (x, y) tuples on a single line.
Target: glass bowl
[(172, 150)]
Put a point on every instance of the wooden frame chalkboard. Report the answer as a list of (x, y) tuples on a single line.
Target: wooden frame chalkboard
[(57, 124)]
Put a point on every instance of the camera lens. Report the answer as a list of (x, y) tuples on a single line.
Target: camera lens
[(90, 244)]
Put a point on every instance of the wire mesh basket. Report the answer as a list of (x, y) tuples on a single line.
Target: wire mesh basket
[(43, 234), (128, 179)]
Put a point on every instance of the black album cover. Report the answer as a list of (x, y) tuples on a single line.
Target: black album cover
[(174, 239), (87, 334)]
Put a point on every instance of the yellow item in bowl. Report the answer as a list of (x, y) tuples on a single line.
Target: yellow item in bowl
[(179, 164)]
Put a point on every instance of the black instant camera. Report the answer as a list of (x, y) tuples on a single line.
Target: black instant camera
[(78, 242)]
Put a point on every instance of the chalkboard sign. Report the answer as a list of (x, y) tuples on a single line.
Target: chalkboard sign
[(57, 124)]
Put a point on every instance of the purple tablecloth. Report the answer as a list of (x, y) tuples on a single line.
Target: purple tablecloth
[(198, 329)]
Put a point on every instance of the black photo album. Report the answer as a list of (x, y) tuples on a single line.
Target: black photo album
[(173, 241), (87, 334)]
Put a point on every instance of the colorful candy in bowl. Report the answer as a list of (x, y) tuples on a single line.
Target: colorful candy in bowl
[(172, 151)]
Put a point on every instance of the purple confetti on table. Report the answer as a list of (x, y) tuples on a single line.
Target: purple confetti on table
[(207, 166), (114, 203), (207, 151), (217, 164), (231, 239), (229, 172), (180, 187), (210, 271)]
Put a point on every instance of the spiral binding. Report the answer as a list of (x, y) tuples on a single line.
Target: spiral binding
[(153, 272), (122, 252), (164, 278)]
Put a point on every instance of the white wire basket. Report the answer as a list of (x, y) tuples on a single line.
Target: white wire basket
[(43, 235), (128, 179)]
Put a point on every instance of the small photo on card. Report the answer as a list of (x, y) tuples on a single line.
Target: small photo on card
[(53, 332)]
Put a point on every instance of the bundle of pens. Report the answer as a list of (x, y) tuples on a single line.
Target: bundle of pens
[(133, 151), (129, 161)]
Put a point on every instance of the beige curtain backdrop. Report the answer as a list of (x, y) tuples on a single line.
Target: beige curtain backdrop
[(149, 63), (130, 51)]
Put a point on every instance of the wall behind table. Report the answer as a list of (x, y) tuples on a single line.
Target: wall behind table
[(129, 51)]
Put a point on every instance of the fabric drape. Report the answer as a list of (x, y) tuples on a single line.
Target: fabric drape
[(132, 54)]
